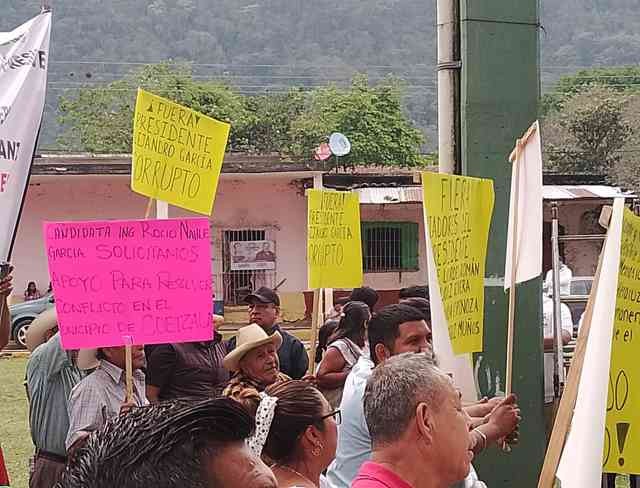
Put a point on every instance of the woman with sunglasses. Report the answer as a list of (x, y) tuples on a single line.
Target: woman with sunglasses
[(298, 430)]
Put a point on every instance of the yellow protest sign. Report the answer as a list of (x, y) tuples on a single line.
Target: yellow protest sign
[(334, 249), (177, 153), (457, 211), (622, 429)]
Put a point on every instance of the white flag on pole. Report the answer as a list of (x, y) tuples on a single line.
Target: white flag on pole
[(581, 461), (526, 183), (24, 55)]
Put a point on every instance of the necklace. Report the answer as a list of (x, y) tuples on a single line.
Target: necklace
[(291, 470)]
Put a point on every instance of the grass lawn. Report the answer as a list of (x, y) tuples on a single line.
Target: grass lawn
[(14, 421)]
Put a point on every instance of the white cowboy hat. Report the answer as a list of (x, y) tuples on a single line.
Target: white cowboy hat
[(249, 338), (43, 323)]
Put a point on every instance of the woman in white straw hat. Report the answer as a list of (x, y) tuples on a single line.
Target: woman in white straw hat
[(254, 363)]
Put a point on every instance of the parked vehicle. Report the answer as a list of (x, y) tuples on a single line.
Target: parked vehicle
[(22, 314)]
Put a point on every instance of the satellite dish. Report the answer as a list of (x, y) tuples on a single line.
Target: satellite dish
[(339, 144)]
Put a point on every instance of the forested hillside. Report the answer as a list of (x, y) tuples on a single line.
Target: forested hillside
[(258, 45)]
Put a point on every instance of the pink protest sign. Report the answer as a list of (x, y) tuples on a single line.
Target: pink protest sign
[(145, 279)]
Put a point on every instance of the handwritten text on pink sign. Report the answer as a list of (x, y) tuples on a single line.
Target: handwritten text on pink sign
[(145, 279)]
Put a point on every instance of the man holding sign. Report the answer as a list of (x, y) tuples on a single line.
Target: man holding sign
[(127, 283), (103, 394)]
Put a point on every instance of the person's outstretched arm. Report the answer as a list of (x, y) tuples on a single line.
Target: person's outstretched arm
[(5, 316)]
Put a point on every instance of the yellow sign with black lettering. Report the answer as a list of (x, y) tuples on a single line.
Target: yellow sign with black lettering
[(177, 153), (622, 428), (334, 248), (457, 211)]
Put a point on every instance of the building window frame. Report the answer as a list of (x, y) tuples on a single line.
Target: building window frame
[(390, 247)]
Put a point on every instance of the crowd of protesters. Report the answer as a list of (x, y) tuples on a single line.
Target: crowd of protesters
[(376, 412)]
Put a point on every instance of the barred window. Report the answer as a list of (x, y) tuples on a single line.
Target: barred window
[(389, 246), (238, 283)]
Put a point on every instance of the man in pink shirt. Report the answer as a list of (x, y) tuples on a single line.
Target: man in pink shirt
[(419, 431)]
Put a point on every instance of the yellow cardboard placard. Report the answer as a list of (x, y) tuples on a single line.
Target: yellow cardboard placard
[(334, 247), (177, 153), (622, 428), (457, 211)]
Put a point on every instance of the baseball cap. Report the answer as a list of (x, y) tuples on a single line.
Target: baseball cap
[(264, 295)]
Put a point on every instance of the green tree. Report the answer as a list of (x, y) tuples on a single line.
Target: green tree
[(588, 132), (625, 171), (619, 78), (100, 119), (267, 128), (370, 116)]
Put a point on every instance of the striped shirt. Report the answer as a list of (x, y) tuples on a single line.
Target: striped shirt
[(98, 398)]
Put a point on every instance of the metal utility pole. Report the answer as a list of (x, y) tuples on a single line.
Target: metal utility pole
[(448, 19), (500, 90)]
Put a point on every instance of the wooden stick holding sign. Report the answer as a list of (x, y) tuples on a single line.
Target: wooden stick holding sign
[(129, 370), (316, 323), (512, 290), (512, 294), (161, 213)]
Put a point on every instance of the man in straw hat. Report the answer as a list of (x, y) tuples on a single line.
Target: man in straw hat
[(254, 361), (52, 373), (103, 394), (264, 310)]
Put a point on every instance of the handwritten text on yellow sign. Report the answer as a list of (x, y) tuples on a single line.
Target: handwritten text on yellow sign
[(177, 153), (622, 429), (458, 215), (334, 249)]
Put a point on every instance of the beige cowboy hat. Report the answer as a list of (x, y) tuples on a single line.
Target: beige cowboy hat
[(249, 338), (44, 323)]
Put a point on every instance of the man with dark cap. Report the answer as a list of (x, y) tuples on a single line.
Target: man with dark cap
[(174, 444), (264, 310)]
